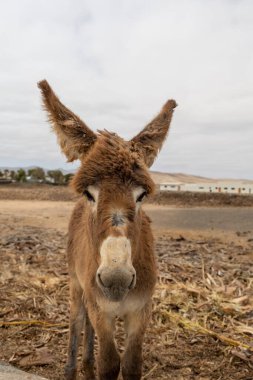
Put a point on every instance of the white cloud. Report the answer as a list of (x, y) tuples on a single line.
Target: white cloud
[(116, 62)]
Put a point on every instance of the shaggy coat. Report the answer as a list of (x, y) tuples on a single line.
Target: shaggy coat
[(110, 244)]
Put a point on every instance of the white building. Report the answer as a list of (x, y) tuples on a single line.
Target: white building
[(170, 186), (238, 188)]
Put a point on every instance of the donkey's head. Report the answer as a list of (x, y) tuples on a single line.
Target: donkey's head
[(114, 179)]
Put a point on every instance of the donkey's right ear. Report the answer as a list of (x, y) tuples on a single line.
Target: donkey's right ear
[(74, 137)]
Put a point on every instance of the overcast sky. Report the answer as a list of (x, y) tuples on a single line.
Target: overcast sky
[(116, 62)]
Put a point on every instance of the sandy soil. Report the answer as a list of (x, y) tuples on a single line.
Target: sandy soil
[(202, 320), (47, 214), (55, 214)]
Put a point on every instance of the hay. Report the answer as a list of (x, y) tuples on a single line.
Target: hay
[(202, 318), (31, 323)]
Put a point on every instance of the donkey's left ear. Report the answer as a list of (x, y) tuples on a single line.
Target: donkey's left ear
[(150, 140), (74, 137)]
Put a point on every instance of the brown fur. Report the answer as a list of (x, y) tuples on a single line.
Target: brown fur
[(116, 167), (75, 138)]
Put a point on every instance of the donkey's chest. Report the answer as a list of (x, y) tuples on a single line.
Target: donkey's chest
[(131, 304)]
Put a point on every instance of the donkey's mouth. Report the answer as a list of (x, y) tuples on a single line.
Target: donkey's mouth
[(116, 291), (115, 294)]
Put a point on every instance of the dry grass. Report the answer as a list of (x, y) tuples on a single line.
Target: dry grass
[(203, 307)]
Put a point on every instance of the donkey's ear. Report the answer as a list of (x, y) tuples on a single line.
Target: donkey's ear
[(150, 140), (74, 137)]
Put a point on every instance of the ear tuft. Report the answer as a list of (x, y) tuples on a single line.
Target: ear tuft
[(43, 85), (169, 105)]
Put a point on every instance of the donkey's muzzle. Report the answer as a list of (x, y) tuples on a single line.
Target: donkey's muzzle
[(116, 284)]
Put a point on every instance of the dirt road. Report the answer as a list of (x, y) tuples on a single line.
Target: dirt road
[(202, 219)]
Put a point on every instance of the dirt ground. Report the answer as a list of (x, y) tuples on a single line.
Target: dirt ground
[(202, 324)]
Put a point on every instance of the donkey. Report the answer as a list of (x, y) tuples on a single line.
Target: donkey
[(110, 249)]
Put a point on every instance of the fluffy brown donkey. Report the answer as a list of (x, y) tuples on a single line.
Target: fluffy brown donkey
[(110, 244)]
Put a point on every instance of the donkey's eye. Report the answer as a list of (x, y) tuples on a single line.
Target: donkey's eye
[(89, 196), (141, 196)]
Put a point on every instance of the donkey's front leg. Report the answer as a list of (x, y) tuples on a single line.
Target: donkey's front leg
[(135, 326), (108, 360), (88, 350), (77, 313)]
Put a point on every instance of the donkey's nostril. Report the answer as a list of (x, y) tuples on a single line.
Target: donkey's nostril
[(132, 285), (100, 280)]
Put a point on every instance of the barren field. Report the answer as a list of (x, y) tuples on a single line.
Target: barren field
[(202, 323)]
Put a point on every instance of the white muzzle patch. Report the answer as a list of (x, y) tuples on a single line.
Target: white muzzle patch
[(116, 274)]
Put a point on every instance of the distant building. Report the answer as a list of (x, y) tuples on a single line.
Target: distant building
[(49, 179), (240, 188), (170, 186), (5, 181), (30, 179)]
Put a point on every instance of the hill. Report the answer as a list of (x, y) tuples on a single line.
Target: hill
[(159, 177)]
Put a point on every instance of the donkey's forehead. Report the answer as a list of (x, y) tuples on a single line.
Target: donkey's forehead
[(112, 159)]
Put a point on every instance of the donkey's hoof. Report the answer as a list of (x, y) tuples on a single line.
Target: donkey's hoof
[(111, 375), (88, 374), (132, 374), (70, 373)]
